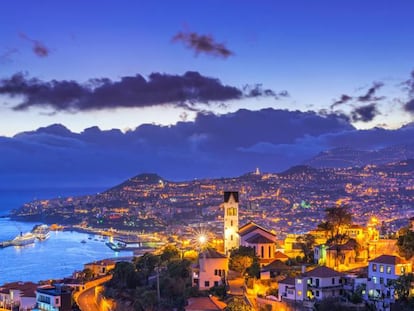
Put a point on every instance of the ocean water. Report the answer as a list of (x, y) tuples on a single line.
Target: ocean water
[(57, 257)]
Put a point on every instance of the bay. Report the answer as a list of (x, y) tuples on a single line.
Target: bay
[(57, 257)]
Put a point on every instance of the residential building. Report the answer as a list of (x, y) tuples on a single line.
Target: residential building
[(101, 267), (317, 284), (19, 295), (211, 270), (54, 298), (382, 272)]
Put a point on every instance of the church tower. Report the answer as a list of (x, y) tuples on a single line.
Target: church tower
[(231, 220)]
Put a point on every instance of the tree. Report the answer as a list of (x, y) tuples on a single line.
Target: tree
[(124, 275), (405, 244), (146, 265), (170, 252), (338, 217), (238, 304), (307, 242), (402, 286), (327, 228), (242, 258)]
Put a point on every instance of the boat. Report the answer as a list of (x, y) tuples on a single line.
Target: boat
[(42, 232), (24, 239), (83, 241)]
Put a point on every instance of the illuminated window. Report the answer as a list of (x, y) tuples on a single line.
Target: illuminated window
[(402, 270), (374, 267), (381, 268), (388, 269), (299, 281), (374, 279), (299, 293)]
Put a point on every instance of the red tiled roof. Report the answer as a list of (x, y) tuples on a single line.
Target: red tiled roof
[(205, 304), (251, 226), (288, 281), (259, 239), (28, 289), (322, 272), (280, 255), (388, 260), (212, 253)]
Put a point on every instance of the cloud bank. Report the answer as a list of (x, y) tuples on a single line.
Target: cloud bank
[(210, 146), (130, 91)]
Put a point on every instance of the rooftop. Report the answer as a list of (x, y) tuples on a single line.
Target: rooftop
[(212, 253), (322, 272), (259, 239), (388, 259), (250, 227)]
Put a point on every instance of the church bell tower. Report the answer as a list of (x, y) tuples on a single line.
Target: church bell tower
[(231, 220)]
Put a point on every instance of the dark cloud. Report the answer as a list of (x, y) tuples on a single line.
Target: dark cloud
[(344, 99), (409, 85), (409, 106), (365, 113), (210, 146), (257, 90), (370, 95), (202, 44), (38, 48), (132, 91)]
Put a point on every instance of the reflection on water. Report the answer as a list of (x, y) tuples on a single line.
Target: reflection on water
[(55, 257)]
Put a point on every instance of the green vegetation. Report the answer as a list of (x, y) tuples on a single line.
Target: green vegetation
[(238, 304), (405, 243), (244, 260), (306, 243), (137, 281)]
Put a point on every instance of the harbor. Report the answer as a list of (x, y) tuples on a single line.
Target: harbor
[(39, 232)]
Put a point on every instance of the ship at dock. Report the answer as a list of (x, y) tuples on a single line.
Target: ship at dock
[(23, 239), (41, 232)]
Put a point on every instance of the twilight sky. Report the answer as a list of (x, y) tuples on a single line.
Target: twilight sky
[(90, 63), (197, 88)]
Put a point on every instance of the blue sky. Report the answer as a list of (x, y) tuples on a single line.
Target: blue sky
[(316, 50)]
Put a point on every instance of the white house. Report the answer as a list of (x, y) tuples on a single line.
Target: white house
[(18, 294), (211, 270), (54, 298), (287, 289), (382, 271), (319, 283)]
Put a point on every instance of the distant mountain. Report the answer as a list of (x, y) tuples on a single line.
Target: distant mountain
[(291, 201), (349, 157)]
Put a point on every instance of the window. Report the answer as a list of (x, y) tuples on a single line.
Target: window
[(270, 252), (299, 293), (231, 223), (215, 272), (381, 280), (381, 268), (388, 269), (206, 283), (231, 237), (310, 281), (402, 270), (216, 283), (262, 252), (317, 293), (374, 267), (333, 281), (299, 281), (374, 279), (57, 301), (317, 282)]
